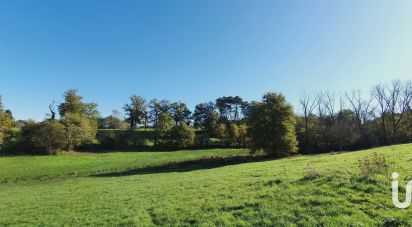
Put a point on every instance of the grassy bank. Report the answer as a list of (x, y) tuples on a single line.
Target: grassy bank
[(278, 192)]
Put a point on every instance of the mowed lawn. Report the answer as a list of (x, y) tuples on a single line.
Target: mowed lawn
[(281, 192)]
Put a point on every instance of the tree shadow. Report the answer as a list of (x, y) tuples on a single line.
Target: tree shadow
[(192, 165)]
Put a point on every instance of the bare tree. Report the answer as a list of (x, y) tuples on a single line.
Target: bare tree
[(379, 93), (321, 113), (329, 102), (52, 111), (397, 100), (308, 104), (363, 110)]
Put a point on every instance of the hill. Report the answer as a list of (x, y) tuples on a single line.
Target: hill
[(310, 190)]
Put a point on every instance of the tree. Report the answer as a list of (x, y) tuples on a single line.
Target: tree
[(72, 103), (163, 128), (308, 104), (157, 108), (180, 113), (48, 136), (136, 111), (206, 117), (182, 135), (6, 122), (380, 95), (111, 122), (363, 110), (272, 126), (230, 108), (79, 131), (232, 135), (79, 119), (398, 99)]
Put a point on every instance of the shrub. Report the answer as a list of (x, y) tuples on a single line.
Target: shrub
[(311, 172), (373, 164), (46, 137), (182, 135)]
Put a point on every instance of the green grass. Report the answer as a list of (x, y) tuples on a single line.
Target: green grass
[(275, 193), (45, 167)]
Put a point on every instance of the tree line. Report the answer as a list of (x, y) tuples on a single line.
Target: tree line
[(324, 122), (355, 119)]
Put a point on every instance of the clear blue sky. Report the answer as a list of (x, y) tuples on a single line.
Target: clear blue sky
[(196, 51)]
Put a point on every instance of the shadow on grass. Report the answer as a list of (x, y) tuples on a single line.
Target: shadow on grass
[(191, 165)]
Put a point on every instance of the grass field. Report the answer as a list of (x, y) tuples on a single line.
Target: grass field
[(277, 192)]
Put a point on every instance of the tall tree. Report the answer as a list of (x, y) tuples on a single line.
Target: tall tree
[(79, 119), (135, 111), (72, 103), (380, 95), (6, 122), (230, 108), (308, 105), (206, 117), (156, 109), (363, 110), (272, 126), (398, 98), (180, 113)]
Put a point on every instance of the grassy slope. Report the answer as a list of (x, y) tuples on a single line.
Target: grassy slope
[(34, 167), (262, 193)]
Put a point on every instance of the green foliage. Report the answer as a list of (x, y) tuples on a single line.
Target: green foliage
[(79, 130), (46, 137), (272, 126), (136, 111), (111, 122), (231, 108), (182, 135), (163, 128), (180, 113), (206, 117), (79, 119), (6, 124), (232, 135), (72, 103)]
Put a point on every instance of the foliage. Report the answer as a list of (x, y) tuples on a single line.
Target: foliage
[(79, 119), (206, 117), (111, 122), (136, 111), (272, 125), (46, 137), (182, 135), (79, 130), (6, 124), (180, 113), (231, 109), (373, 164), (163, 128)]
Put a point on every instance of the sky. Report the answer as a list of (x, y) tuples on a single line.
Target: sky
[(196, 51)]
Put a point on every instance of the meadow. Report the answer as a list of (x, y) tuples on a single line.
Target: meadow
[(274, 192)]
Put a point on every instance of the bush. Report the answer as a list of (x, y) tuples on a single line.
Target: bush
[(374, 164), (46, 137), (182, 135)]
